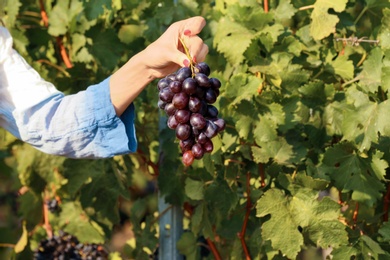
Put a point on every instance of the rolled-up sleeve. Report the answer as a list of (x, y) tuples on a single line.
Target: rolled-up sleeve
[(83, 125)]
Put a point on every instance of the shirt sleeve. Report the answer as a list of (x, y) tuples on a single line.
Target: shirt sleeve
[(83, 125)]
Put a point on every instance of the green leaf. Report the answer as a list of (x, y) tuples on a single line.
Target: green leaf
[(232, 39), (370, 77), (323, 23), (384, 231), (281, 229), (75, 221), (384, 35), (341, 66), (353, 173), (284, 11), (23, 240), (187, 245), (62, 15), (278, 150), (93, 9), (194, 189), (220, 196)]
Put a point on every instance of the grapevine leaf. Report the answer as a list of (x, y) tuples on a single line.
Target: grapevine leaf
[(341, 66), (384, 231), (266, 128), (93, 9), (187, 245), (242, 87), (344, 252), (232, 39), (384, 35), (377, 3), (62, 15), (194, 189), (22, 242), (221, 197), (12, 11), (323, 23), (75, 221), (284, 11), (281, 229), (278, 150), (351, 172), (370, 77)]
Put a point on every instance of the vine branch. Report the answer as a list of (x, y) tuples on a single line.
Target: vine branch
[(241, 235), (386, 202), (213, 249), (266, 9)]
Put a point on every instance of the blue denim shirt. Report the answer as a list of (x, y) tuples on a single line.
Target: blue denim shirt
[(83, 125)]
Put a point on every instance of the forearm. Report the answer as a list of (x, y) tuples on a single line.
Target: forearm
[(128, 82)]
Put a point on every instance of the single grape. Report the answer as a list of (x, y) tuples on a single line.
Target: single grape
[(195, 131), (180, 100), (188, 158), (175, 86), (161, 104), (202, 80), (197, 151), (197, 121), (220, 123), (171, 76), (186, 145), (182, 116), (170, 109), (172, 123), (166, 95), (199, 93), (202, 138), (194, 104), (183, 131), (211, 129), (215, 83), (208, 146), (163, 83), (189, 86), (210, 96), (202, 67), (183, 73), (203, 108), (212, 111)]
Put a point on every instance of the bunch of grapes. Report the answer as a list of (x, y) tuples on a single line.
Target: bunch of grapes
[(53, 205), (187, 97), (67, 247)]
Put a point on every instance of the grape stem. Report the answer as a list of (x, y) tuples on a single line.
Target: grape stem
[(187, 52)]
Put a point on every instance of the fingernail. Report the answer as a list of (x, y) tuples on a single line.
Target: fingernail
[(187, 32), (194, 59), (186, 63)]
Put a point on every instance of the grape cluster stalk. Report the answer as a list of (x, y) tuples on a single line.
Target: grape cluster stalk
[(187, 97), (67, 247)]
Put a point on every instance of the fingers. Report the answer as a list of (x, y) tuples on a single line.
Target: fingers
[(192, 26)]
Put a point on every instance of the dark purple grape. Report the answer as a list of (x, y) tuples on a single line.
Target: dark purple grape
[(175, 86), (202, 138), (216, 90), (182, 116), (166, 95), (180, 100), (210, 96), (210, 129), (202, 67), (197, 151), (183, 131), (186, 145), (163, 83), (208, 146), (212, 111), (220, 123), (189, 86), (172, 123), (161, 104), (197, 121), (203, 108), (194, 104), (188, 158), (200, 92), (171, 76), (183, 73), (202, 80), (215, 83), (195, 131), (170, 109)]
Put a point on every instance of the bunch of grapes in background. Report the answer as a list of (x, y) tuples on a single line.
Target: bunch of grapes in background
[(65, 246), (187, 97)]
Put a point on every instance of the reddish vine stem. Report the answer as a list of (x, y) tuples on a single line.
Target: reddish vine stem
[(214, 249), (60, 44), (241, 235), (340, 199), (386, 202), (265, 6), (46, 222)]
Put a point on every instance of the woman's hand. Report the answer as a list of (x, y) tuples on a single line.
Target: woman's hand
[(166, 54), (159, 59)]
